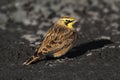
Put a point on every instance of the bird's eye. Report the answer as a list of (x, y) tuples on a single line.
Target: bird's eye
[(67, 20)]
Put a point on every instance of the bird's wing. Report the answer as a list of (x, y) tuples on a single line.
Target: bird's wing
[(55, 41), (65, 48)]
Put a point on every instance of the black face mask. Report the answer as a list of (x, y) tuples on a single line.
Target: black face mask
[(67, 21)]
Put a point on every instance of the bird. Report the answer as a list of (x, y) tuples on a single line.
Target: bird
[(57, 41)]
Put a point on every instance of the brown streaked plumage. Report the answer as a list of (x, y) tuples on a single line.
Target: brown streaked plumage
[(57, 40)]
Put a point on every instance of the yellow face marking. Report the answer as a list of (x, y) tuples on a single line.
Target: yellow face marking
[(70, 25), (66, 21)]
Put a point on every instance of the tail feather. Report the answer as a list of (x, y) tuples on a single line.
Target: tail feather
[(31, 60), (34, 58)]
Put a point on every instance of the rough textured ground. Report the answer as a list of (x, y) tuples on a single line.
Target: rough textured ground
[(24, 22)]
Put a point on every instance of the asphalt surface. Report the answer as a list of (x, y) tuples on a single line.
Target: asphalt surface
[(23, 24)]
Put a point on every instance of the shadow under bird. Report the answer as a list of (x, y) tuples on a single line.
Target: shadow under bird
[(57, 41)]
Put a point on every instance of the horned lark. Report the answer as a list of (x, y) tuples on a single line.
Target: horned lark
[(57, 40)]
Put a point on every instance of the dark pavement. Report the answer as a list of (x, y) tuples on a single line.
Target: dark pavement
[(24, 22)]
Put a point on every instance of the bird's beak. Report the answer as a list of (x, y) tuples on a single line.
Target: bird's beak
[(74, 21)]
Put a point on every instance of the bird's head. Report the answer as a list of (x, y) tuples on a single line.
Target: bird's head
[(66, 21)]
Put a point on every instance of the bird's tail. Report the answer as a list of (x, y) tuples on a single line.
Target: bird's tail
[(33, 59)]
